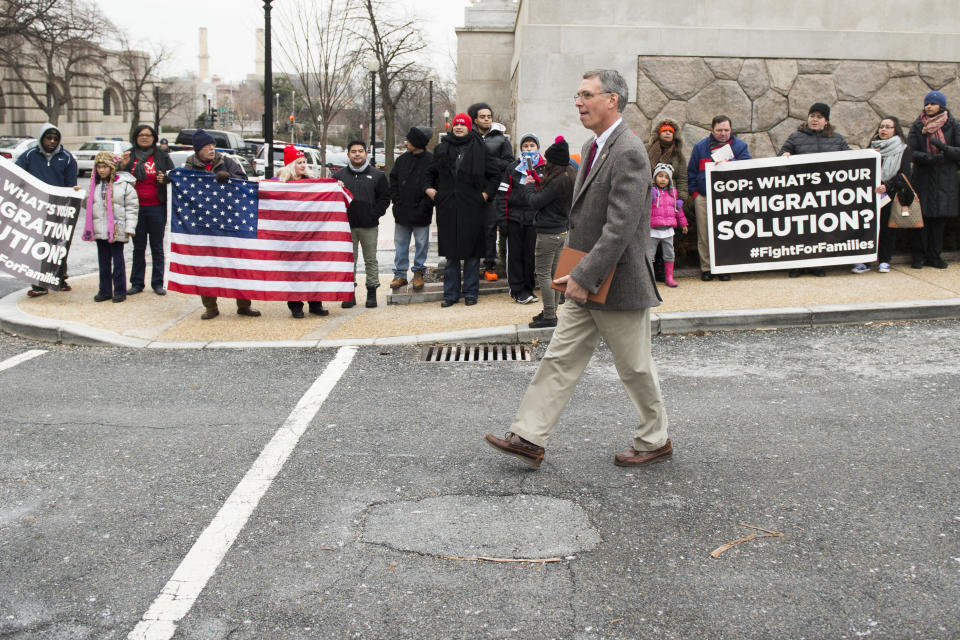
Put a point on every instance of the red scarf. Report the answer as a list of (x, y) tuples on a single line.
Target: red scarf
[(932, 128)]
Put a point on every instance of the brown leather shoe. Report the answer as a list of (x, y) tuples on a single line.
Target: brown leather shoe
[(248, 311), (210, 313), (633, 458), (513, 445), (417, 280), (398, 282)]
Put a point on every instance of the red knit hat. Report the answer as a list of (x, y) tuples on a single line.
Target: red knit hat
[(464, 119), (291, 153)]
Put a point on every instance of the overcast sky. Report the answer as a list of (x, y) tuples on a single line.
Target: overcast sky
[(231, 28)]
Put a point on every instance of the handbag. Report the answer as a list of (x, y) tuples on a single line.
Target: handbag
[(913, 218)]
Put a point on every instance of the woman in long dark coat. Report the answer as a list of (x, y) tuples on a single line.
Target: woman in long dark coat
[(461, 181), (935, 141)]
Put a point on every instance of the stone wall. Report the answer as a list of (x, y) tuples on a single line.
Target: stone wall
[(767, 99)]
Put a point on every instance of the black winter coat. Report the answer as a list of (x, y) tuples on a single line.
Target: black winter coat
[(935, 174), (460, 205), (371, 195), (411, 206), (498, 147), (809, 141), (511, 204), (552, 204)]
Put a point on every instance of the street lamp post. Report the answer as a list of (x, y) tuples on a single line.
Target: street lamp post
[(373, 65), (446, 120), (267, 90)]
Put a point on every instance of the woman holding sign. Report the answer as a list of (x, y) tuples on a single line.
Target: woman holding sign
[(935, 141), (895, 157), (816, 135)]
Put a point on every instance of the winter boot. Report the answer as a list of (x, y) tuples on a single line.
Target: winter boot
[(352, 302), (668, 274), (371, 297)]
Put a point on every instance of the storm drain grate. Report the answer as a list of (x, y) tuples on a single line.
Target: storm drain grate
[(476, 353)]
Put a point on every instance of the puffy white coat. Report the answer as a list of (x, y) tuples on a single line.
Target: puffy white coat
[(126, 206)]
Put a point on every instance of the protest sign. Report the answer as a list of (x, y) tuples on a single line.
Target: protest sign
[(36, 226), (809, 210)]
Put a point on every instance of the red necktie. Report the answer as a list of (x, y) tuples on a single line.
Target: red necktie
[(590, 157)]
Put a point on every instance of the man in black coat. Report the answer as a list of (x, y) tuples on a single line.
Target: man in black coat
[(499, 149), (371, 196), (412, 209)]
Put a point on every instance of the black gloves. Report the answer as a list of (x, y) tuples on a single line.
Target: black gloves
[(223, 176)]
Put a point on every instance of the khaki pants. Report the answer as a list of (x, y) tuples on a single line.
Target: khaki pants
[(703, 242), (366, 238), (577, 334)]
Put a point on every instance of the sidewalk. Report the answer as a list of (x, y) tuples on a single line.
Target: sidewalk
[(748, 301)]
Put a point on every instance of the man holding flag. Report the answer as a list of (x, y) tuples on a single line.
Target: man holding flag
[(246, 240)]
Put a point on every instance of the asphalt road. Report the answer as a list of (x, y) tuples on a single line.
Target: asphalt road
[(115, 462)]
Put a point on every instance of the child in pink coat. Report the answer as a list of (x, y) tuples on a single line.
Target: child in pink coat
[(666, 213)]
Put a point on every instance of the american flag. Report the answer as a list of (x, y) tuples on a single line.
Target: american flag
[(259, 240)]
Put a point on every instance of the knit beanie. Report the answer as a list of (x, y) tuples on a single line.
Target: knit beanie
[(419, 136), (201, 139), (558, 152), (663, 167), (107, 158), (464, 119), (290, 154), (822, 109), (530, 136), (935, 97)]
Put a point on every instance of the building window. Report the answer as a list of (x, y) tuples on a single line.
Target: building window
[(111, 103)]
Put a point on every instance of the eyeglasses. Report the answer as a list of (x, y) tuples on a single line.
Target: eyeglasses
[(885, 126), (586, 95), (144, 135)]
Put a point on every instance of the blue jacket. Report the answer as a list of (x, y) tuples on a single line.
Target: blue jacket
[(59, 169), (700, 156)]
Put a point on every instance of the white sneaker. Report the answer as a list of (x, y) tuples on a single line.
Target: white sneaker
[(883, 267), (860, 268)]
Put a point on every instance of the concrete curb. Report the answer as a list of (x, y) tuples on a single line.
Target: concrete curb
[(17, 322)]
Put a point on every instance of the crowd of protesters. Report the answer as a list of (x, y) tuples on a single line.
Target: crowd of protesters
[(480, 190)]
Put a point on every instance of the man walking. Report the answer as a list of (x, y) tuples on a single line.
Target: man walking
[(610, 222), (371, 196), (412, 209), (498, 148), (51, 163), (206, 158), (720, 146)]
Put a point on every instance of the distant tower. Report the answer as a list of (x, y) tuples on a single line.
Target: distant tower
[(258, 60), (204, 71)]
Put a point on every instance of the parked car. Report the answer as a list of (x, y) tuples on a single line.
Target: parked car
[(89, 150), (311, 153), (179, 158), (336, 157), (12, 147), (225, 140)]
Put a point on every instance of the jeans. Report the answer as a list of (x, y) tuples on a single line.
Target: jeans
[(366, 238), (401, 240), (113, 271), (471, 279), (152, 221), (546, 256)]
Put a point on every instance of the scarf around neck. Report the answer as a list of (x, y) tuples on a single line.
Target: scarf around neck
[(891, 154), (362, 168), (933, 128), (141, 156)]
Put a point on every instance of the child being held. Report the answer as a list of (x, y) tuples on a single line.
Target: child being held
[(666, 213), (111, 219)]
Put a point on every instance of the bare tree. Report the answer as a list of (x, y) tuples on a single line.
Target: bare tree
[(167, 96), (248, 106), (323, 70), (140, 71), (394, 43), (61, 44), (414, 109), (18, 15)]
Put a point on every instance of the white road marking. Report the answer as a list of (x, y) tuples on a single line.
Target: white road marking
[(23, 357), (177, 597)]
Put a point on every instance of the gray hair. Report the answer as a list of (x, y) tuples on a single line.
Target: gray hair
[(611, 82)]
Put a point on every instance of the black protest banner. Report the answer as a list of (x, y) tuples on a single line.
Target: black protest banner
[(36, 226), (808, 210)]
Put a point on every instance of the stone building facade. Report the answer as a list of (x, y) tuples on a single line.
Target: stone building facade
[(761, 63)]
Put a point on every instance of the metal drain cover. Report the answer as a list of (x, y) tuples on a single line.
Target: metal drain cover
[(476, 353)]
